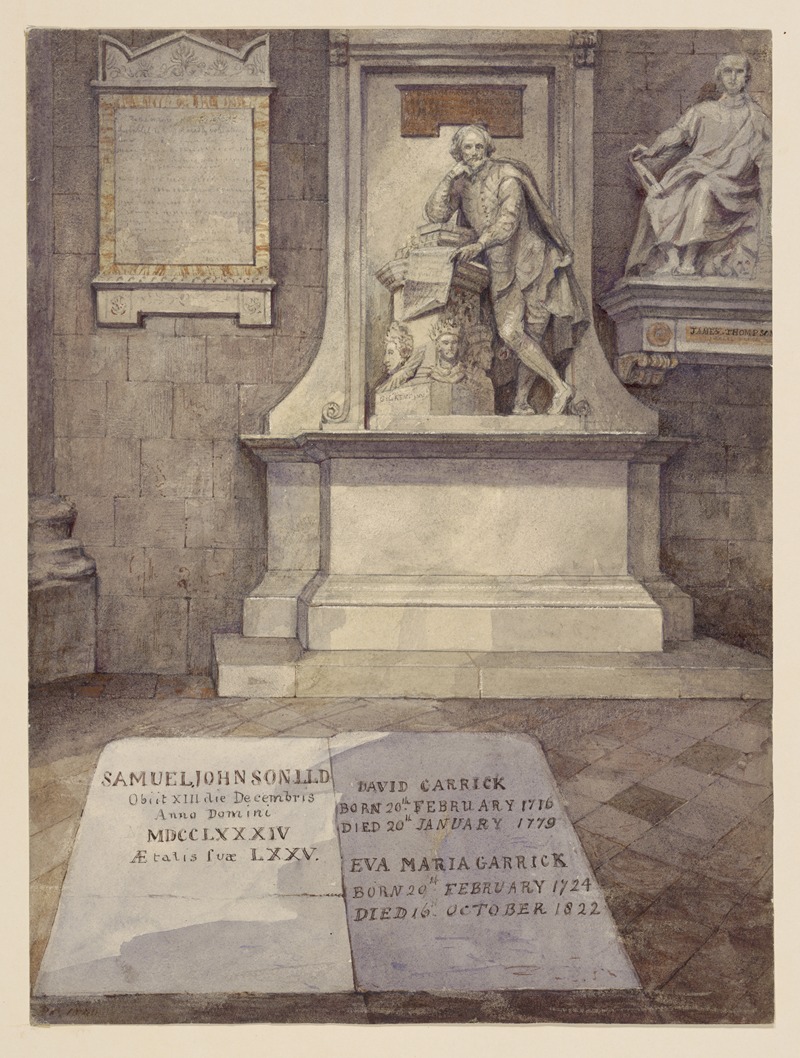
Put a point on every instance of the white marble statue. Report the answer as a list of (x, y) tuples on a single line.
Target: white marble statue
[(400, 361), (528, 258), (703, 216)]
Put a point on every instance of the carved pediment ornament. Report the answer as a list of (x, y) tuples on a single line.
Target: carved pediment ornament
[(583, 43), (183, 60)]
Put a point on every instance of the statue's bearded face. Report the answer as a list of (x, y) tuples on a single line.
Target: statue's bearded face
[(473, 150)]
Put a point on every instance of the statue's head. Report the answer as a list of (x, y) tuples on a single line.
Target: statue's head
[(732, 74), (446, 337), (472, 145), (398, 347)]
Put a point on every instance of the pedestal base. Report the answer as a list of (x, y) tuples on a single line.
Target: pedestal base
[(478, 613), (280, 668)]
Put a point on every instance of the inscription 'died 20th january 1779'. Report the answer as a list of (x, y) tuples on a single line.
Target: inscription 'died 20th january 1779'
[(365, 861)]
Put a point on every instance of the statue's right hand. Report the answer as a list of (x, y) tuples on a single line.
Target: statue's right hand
[(460, 169), (638, 152)]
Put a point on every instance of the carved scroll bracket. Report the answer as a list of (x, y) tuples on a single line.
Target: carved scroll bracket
[(644, 369)]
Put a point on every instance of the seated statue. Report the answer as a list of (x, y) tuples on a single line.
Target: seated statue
[(400, 362), (703, 216)]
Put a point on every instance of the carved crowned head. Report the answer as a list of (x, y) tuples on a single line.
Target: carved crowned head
[(446, 335), (398, 347)]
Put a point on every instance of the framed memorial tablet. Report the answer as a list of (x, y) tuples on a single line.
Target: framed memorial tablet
[(184, 134)]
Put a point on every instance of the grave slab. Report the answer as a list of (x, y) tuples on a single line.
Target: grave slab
[(365, 862), (203, 865), (462, 870)]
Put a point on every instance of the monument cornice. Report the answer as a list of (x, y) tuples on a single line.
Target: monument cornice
[(320, 446)]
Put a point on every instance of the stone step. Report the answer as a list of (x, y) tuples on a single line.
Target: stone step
[(255, 667)]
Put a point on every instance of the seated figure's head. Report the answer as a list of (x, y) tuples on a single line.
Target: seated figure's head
[(446, 337), (398, 347), (732, 74)]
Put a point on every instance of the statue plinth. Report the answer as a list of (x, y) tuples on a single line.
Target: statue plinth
[(423, 397), (696, 320)]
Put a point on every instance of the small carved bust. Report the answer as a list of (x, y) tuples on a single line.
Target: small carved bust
[(399, 359), (479, 356), (446, 336)]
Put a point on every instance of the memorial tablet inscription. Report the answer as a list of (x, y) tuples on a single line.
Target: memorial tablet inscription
[(199, 164)]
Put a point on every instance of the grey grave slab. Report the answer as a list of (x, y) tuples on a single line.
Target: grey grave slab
[(462, 870), (203, 865)]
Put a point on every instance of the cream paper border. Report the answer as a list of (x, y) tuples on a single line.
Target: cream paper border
[(17, 1037)]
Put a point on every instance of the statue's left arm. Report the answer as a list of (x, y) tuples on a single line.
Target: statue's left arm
[(511, 203)]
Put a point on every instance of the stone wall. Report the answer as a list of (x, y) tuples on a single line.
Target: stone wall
[(147, 421), (716, 510)]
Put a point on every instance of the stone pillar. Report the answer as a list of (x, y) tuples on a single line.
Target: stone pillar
[(62, 584)]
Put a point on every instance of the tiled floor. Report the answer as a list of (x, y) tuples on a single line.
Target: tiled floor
[(671, 799)]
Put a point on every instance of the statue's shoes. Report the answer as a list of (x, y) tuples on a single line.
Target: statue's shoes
[(526, 410), (559, 403)]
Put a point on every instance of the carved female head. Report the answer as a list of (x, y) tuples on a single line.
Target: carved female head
[(446, 337), (398, 347)]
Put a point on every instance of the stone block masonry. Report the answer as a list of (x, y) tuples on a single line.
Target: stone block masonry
[(147, 420), (716, 536)]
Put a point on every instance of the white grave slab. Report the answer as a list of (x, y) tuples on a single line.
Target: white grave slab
[(440, 861), (203, 865)]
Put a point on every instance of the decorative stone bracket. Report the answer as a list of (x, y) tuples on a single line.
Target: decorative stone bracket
[(644, 369)]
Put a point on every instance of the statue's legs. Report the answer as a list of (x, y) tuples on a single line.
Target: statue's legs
[(509, 314)]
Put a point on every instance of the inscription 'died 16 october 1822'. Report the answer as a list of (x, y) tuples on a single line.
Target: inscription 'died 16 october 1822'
[(411, 862)]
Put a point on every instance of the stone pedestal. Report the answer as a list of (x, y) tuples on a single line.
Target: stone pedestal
[(466, 542), (703, 320), (62, 594), (424, 397)]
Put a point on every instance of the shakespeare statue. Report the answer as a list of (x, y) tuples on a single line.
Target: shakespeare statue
[(529, 261), (703, 215)]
